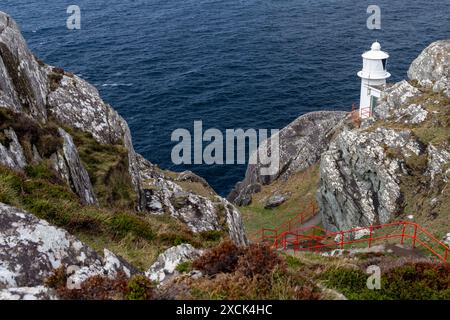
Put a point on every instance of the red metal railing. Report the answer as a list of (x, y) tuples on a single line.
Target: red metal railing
[(268, 234), (358, 114), (366, 112), (355, 115), (317, 239)]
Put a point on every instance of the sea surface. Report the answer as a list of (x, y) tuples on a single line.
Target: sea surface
[(231, 63)]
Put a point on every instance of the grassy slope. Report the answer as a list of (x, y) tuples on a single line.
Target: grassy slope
[(107, 166), (136, 237), (302, 186), (114, 225), (416, 187)]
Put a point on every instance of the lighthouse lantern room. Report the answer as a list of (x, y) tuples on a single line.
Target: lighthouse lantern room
[(373, 78)]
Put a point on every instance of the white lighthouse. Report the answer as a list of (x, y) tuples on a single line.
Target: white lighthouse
[(373, 78)]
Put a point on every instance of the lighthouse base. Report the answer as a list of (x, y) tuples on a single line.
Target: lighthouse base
[(365, 112)]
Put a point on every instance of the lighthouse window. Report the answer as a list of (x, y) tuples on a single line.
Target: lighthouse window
[(384, 64), (373, 102)]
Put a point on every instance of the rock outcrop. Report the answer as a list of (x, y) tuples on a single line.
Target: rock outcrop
[(432, 67), (360, 180), (207, 211), (362, 173), (30, 249), (107, 266), (68, 164), (397, 105), (23, 82), (438, 163), (275, 200), (165, 266), (301, 144), (12, 156), (28, 293), (36, 89), (40, 91)]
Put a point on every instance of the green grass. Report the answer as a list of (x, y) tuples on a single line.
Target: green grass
[(107, 166), (184, 267), (30, 133), (136, 237), (412, 281), (436, 127), (302, 186)]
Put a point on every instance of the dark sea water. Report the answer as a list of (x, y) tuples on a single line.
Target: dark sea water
[(230, 63)]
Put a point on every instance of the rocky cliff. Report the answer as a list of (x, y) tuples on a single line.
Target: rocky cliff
[(397, 163), (53, 98), (301, 144), (31, 249), (67, 158), (392, 166)]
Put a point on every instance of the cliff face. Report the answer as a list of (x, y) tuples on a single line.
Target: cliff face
[(432, 68), (23, 82), (360, 182), (67, 157), (31, 249), (397, 163), (60, 102), (301, 144)]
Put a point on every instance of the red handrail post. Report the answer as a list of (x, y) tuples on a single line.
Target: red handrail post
[(370, 236), (403, 232), (446, 255), (342, 240), (415, 236)]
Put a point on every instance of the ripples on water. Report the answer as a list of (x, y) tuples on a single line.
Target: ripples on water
[(233, 64)]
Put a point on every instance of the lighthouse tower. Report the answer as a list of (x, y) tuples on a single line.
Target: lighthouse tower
[(373, 78)]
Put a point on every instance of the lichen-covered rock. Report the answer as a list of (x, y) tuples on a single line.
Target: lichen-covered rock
[(275, 200), (110, 266), (360, 177), (192, 177), (78, 104), (206, 212), (30, 249), (68, 164), (446, 239), (23, 82), (432, 67), (241, 195), (12, 156), (301, 144), (438, 163), (165, 266), (34, 88), (28, 293), (396, 105)]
